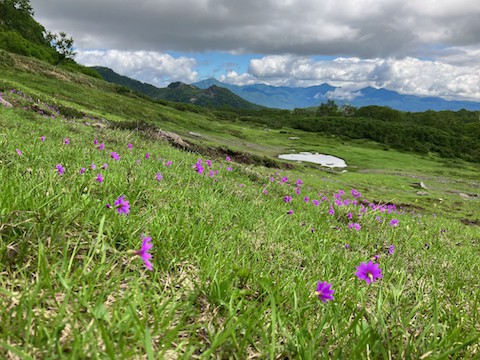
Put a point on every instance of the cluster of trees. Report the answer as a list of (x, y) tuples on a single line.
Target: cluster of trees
[(451, 134), (20, 33)]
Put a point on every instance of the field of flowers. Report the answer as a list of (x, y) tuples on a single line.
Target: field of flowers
[(116, 246)]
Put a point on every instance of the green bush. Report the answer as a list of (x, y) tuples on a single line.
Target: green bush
[(13, 42)]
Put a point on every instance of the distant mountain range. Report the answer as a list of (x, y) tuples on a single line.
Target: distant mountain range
[(211, 96), (283, 97), (213, 93)]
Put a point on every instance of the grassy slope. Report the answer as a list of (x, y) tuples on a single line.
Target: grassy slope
[(234, 274)]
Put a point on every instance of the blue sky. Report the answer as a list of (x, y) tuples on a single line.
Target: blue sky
[(216, 63), (426, 48)]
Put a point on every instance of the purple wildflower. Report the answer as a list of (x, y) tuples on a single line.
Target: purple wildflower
[(356, 194), (147, 155), (199, 167), (169, 163), (394, 222), (18, 152), (130, 146), (299, 182), (99, 178), (60, 169), (369, 272), (324, 291), (95, 141), (115, 156), (265, 192), (306, 199), (355, 226), (228, 158), (159, 177), (290, 212), (284, 179), (287, 199), (101, 147), (391, 249), (122, 205), (229, 168), (66, 141), (82, 170), (143, 252), (315, 202), (42, 138)]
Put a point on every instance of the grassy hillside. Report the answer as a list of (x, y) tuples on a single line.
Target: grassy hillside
[(212, 97), (238, 250)]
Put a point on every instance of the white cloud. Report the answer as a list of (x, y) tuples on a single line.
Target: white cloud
[(343, 94), (358, 28), (147, 66), (233, 78), (428, 47), (407, 75)]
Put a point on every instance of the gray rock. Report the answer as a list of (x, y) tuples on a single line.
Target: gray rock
[(420, 185)]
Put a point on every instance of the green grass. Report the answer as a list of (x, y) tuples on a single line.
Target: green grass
[(234, 275)]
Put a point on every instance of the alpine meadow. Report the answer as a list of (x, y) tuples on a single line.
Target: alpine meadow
[(134, 227)]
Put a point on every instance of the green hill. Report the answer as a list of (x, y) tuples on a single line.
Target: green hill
[(137, 228), (213, 96), (21, 34), (114, 243)]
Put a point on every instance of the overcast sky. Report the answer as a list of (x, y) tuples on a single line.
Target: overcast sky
[(421, 47)]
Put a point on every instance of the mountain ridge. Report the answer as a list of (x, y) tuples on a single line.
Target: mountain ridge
[(212, 96), (284, 97)]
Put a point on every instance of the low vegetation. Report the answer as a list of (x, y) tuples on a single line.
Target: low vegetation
[(134, 228), (244, 258)]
